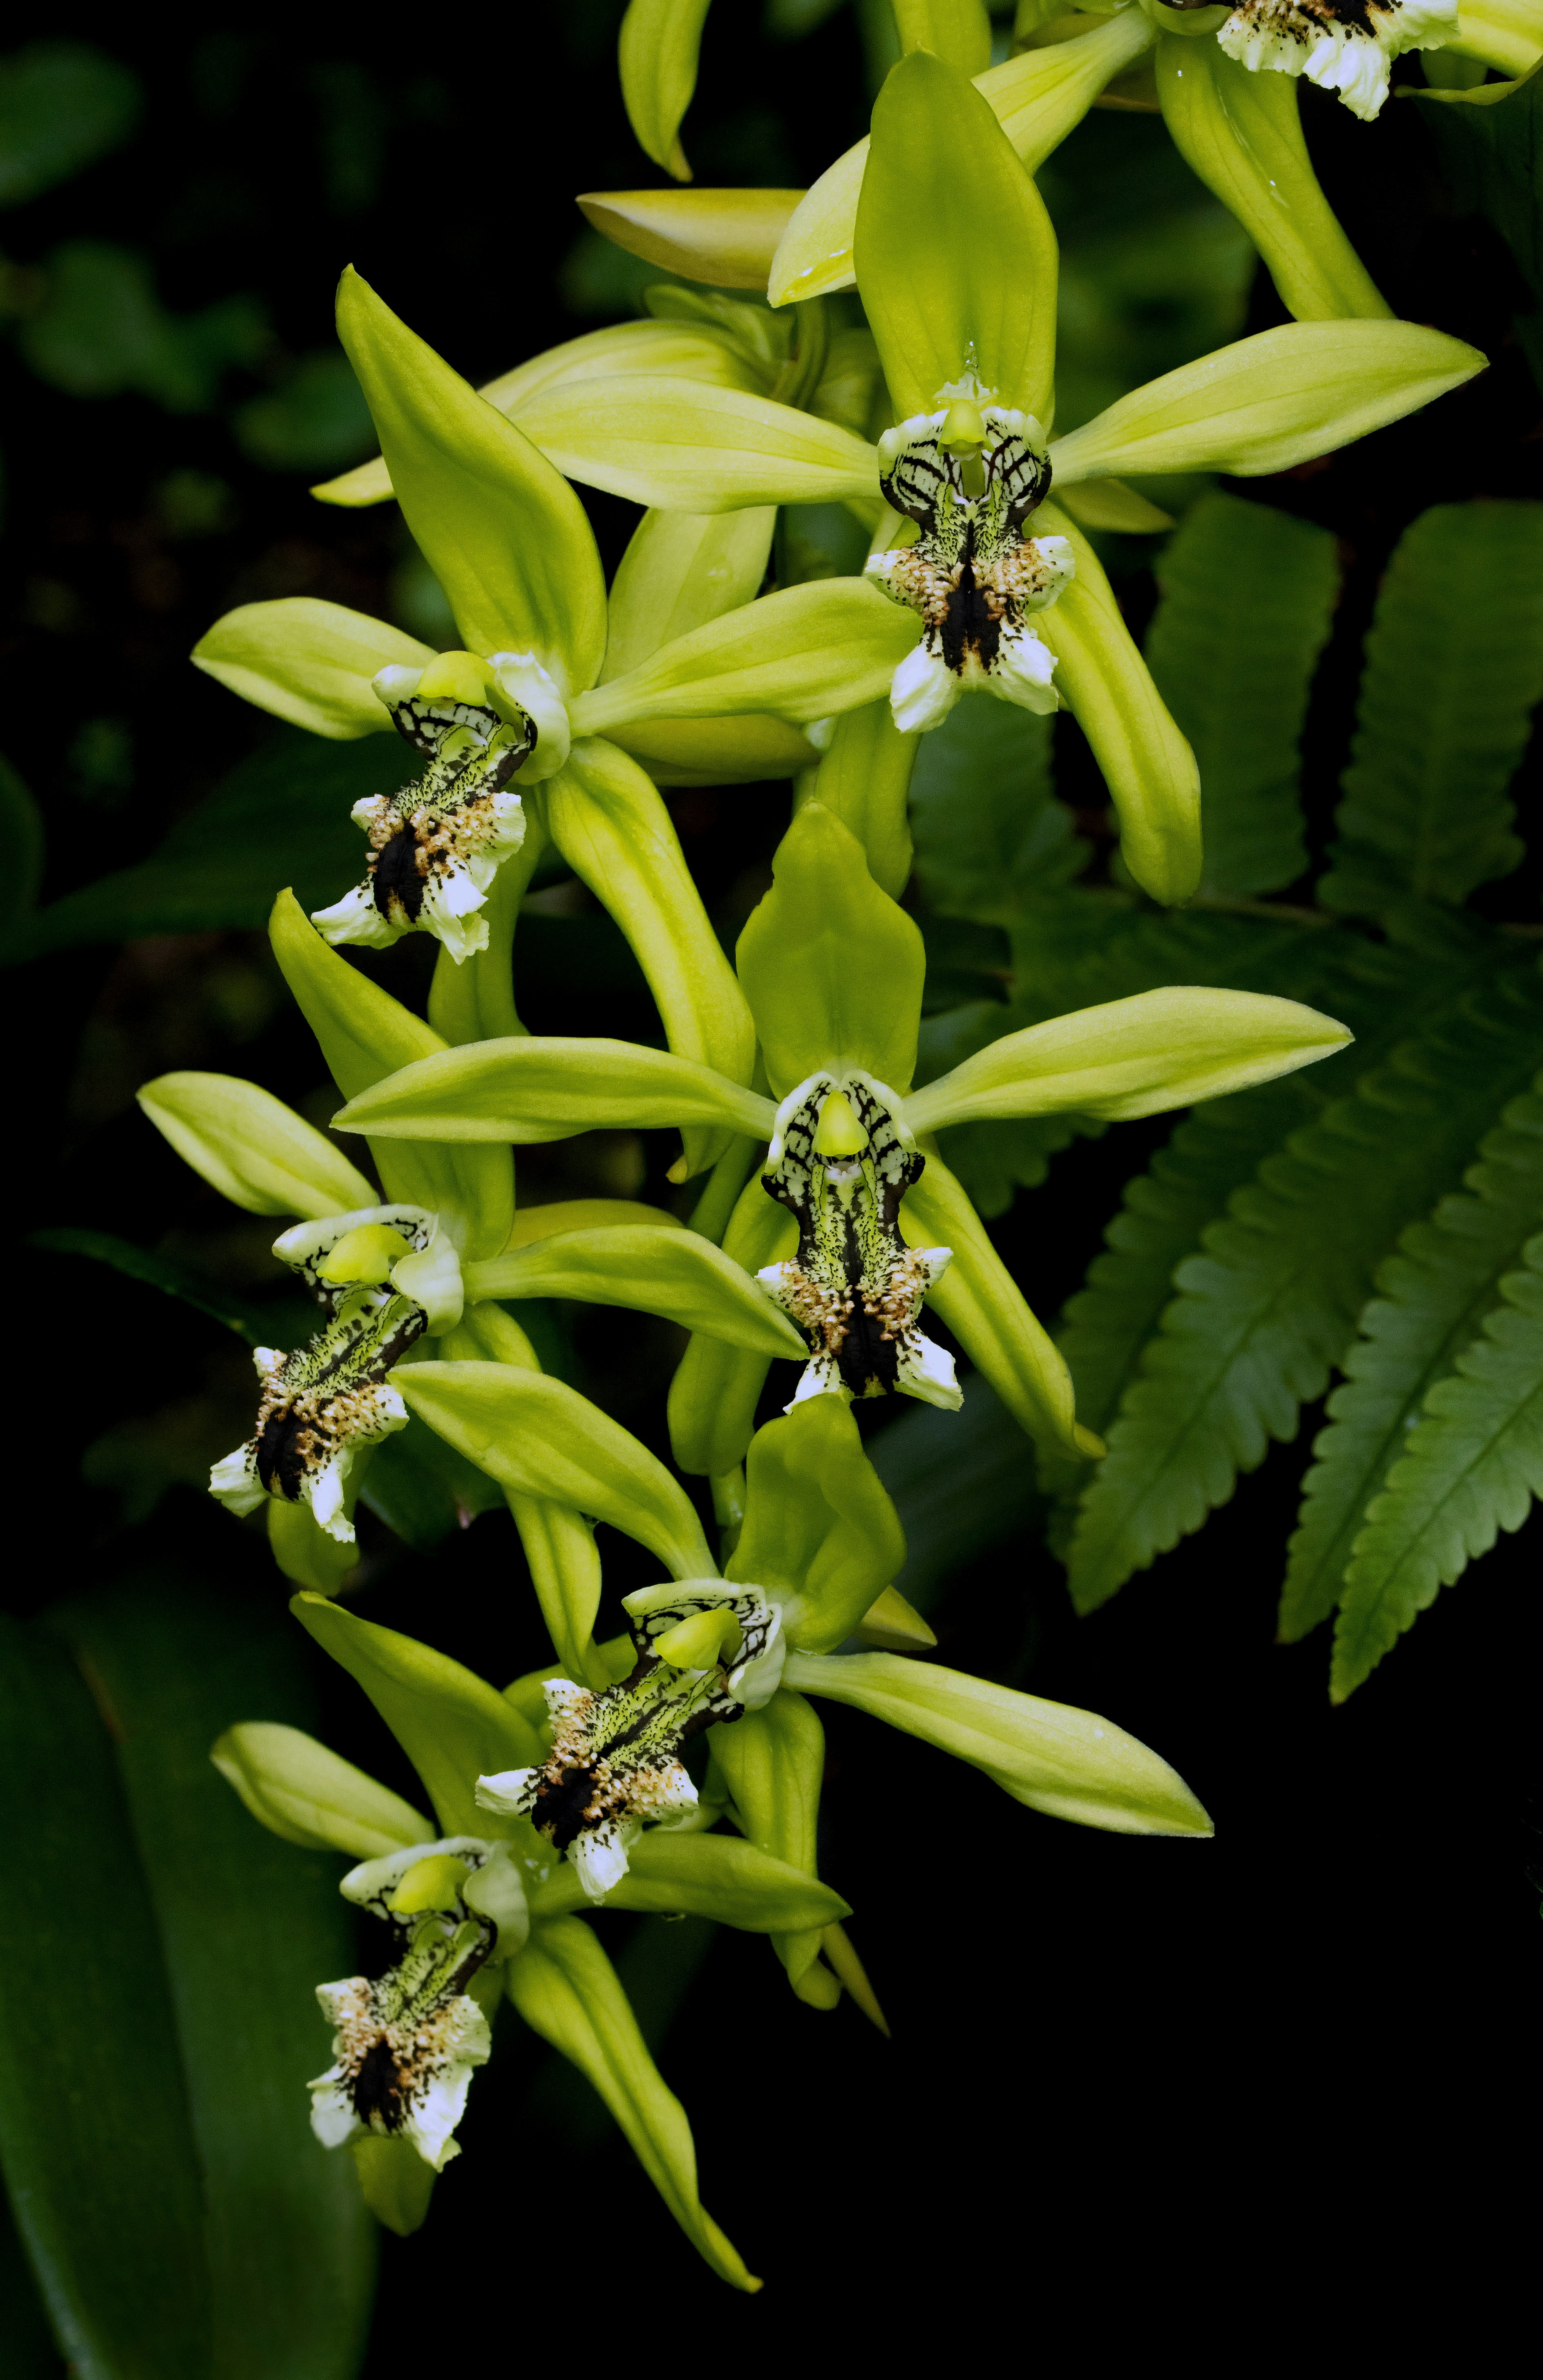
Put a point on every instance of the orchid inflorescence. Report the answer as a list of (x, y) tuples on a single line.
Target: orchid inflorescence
[(677, 1766)]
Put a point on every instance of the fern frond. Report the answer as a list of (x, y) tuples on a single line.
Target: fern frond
[(990, 833), (1474, 1464), (1454, 668), (1269, 1305), (1247, 596), (1435, 1291)]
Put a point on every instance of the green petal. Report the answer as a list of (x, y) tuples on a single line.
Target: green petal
[(657, 55), (1167, 1048), (863, 779), (716, 1388), (984, 1307), (1504, 33), (566, 1990), (539, 1438), (543, 1087), (1069, 1763), (695, 448), (804, 653), (1108, 503), (679, 571), (310, 663), (1147, 764), (615, 833), (706, 1876), (747, 750), (252, 1148), (304, 1794), (366, 1034), (820, 1531), (956, 261), (677, 1274), (773, 1763), (724, 237), (452, 1726), (1036, 100), (1271, 402), (833, 968), (503, 534), (1242, 133)]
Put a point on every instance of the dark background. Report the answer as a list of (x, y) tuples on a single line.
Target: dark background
[(1285, 2046)]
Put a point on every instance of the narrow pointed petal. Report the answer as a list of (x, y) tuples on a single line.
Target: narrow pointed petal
[(699, 449), (721, 1877), (674, 1273), (716, 1388), (863, 779), (1069, 1763), (679, 571), (750, 749), (306, 1794), (820, 1531), (504, 533), (657, 55), (1271, 402), (773, 1763), (310, 663), (727, 238), (252, 1148), (544, 1086)]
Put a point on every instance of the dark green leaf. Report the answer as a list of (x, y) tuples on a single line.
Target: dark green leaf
[(316, 421), (990, 833), (423, 1489), (102, 331), (255, 1322), (959, 1481), (1494, 156), (26, 2349), (1455, 667), (62, 105), (1247, 595), (21, 828)]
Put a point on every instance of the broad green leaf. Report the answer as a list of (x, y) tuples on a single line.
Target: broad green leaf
[(566, 1988), (1071, 1764), (539, 1438), (716, 1388), (453, 1727), (1037, 99), (306, 1794), (807, 653), (1491, 153), (257, 1324), (954, 254), (366, 1034), (1435, 1293), (990, 831), (1241, 132), (832, 967), (252, 1148), (1147, 764), (1270, 1304), (1234, 563), (862, 779), (707, 1876), (249, 1927), (62, 105), (27, 2346), (675, 1273), (1454, 669), (612, 829), (697, 448), (657, 56), (544, 1086), (308, 662), (503, 534), (679, 571), (773, 1761), (725, 237), (95, 2129), (1471, 1465), (1267, 403), (24, 842), (820, 1533), (1132, 1058)]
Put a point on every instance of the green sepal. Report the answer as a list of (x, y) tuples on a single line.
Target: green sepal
[(678, 1274), (540, 1437), (716, 1388), (1069, 1763), (306, 1794), (739, 1884), (365, 1035), (657, 58), (773, 1763), (565, 1570), (566, 1990), (308, 662), (863, 779), (305, 1553), (954, 254), (453, 1727), (726, 239), (695, 448), (395, 2181), (831, 968), (252, 1148), (746, 748), (820, 1532), (502, 532), (679, 571), (545, 1087)]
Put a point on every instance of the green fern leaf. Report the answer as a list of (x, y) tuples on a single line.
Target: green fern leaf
[(1435, 1291), (1247, 596), (1455, 667), (990, 833), (1269, 1305), (1472, 1468)]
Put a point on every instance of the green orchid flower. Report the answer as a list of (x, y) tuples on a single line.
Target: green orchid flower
[(957, 265), (480, 1909), (860, 1205), (736, 1653)]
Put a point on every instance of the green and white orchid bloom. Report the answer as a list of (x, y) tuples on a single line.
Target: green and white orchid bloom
[(735, 1654), (957, 268), (832, 968), (481, 1910)]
